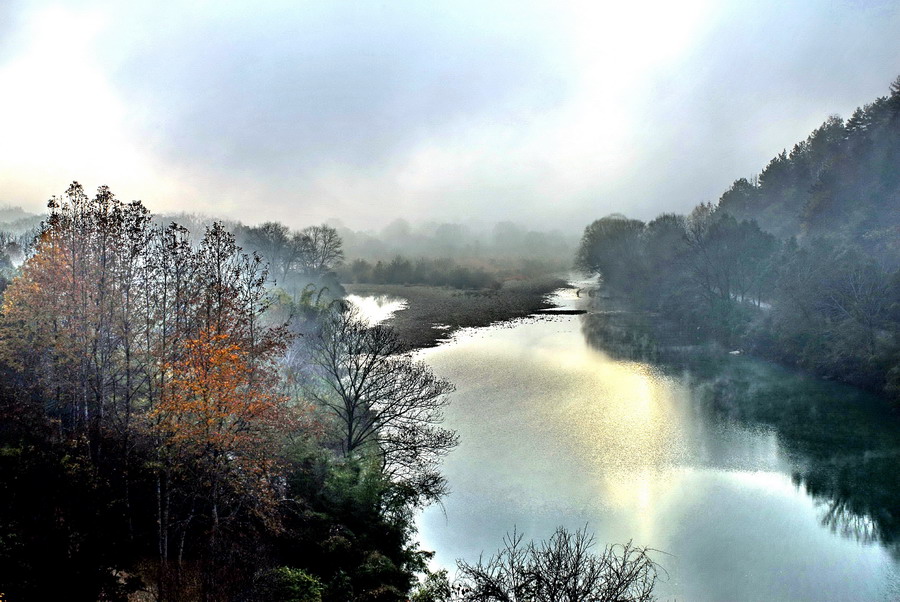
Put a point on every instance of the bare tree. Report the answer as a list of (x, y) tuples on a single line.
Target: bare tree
[(323, 250), (859, 292), (313, 251), (563, 569), (385, 404), (274, 242)]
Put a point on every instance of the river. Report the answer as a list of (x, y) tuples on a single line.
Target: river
[(755, 482)]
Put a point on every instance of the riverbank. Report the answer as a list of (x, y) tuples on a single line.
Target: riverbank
[(618, 326), (434, 313)]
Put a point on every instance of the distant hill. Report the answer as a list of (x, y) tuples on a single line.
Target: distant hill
[(15, 220), (9, 213)]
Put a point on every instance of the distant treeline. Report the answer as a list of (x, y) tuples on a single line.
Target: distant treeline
[(444, 271), (17, 221), (434, 272), (440, 254), (432, 240), (801, 264)]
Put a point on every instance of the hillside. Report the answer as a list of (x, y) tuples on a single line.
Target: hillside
[(801, 264), (842, 181)]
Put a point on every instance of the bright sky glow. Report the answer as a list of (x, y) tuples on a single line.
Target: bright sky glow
[(547, 113)]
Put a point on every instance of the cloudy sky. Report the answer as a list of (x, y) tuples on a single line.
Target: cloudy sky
[(547, 113)]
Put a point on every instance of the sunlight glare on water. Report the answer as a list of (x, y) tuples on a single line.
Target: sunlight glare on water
[(378, 308)]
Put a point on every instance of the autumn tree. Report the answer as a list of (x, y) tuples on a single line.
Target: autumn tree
[(214, 400), (82, 325), (71, 317), (221, 418)]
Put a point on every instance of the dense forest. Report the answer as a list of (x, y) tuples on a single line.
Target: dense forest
[(800, 264)]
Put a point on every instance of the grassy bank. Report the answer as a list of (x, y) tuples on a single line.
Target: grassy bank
[(434, 312)]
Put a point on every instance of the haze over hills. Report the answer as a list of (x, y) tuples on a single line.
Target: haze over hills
[(801, 264), (15, 220)]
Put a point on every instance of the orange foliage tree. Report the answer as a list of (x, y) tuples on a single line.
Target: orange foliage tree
[(225, 414)]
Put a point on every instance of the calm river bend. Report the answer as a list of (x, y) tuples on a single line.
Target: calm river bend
[(757, 482)]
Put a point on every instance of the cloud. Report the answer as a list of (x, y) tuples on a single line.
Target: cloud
[(760, 78), (358, 86)]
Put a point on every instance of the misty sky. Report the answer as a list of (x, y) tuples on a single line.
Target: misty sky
[(547, 113)]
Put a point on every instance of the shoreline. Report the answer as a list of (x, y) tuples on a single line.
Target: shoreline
[(434, 313)]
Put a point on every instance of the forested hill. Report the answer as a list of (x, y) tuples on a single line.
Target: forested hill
[(843, 180), (802, 264)]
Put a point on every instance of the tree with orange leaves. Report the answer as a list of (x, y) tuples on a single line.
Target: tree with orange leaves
[(220, 417)]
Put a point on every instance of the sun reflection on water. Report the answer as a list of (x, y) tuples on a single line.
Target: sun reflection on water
[(378, 308)]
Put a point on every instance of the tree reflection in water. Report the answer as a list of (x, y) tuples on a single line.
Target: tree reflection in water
[(843, 443)]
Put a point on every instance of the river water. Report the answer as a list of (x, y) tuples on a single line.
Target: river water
[(755, 482)]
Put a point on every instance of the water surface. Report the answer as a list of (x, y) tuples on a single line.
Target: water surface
[(374, 309), (758, 483)]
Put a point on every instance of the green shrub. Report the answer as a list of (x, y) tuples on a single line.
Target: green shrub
[(286, 584)]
